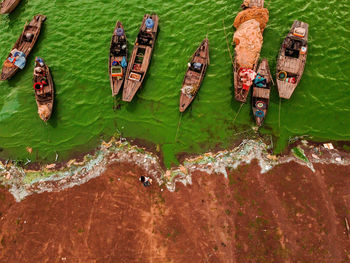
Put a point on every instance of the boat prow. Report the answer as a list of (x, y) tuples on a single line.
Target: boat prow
[(130, 91), (292, 59)]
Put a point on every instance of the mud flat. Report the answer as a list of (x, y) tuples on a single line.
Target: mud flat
[(218, 207)]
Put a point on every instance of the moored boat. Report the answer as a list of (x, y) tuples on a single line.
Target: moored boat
[(292, 59), (43, 88), (118, 58), (250, 24), (194, 75), (23, 46), (7, 6), (261, 92), (141, 56)]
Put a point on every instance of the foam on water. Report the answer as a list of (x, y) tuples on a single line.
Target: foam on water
[(23, 182)]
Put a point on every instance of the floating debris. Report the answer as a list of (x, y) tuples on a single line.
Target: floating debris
[(22, 182), (299, 153), (328, 146), (29, 149)]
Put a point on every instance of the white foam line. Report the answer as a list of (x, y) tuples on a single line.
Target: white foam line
[(122, 152)]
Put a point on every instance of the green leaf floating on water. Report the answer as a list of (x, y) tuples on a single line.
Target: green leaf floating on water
[(299, 153)]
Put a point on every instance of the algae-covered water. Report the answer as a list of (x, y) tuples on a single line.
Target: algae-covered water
[(75, 44)]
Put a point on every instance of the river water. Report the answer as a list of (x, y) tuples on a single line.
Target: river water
[(75, 44)]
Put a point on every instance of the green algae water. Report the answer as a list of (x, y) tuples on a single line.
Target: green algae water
[(75, 43)]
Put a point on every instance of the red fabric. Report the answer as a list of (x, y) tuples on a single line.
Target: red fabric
[(247, 76), (245, 87)]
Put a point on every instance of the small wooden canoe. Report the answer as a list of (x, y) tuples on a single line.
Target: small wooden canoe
[(291, 59), (118, 58), (195, 74), (22, 48), (7, 6), (261, 92), (43, 88), (242, 93), (141, 56)]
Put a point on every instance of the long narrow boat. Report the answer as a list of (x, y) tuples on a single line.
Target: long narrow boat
[(7, 6), (261, 92), (194, 75), (141, 56), (292, 58), (43, 88), (23, 46), (118, 58), (242, 91)]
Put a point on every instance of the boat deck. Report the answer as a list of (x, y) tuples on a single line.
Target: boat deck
[(256, 3)]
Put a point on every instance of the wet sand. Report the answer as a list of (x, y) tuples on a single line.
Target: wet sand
[(288, 214)]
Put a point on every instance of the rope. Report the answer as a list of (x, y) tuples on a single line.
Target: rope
[(178, 126), (239, 110), (228, 46)]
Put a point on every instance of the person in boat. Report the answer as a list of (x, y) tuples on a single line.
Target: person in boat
[(145, 37), (247, 77), (28, 37), (39, 71), (293, 47), (196, 66), (17, 59)]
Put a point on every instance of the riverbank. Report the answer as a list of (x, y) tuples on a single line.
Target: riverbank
[(23, 182), (284, 213)]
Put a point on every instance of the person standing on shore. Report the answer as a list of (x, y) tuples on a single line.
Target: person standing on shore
[(145, 180)]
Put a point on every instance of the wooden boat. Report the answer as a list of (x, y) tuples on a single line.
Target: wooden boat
[(291, 59), (252, 3), (118, 58), (7, 6), (194, 75), (141, 56), (241, 93), (22, 47), (43, 88), (261, 92)]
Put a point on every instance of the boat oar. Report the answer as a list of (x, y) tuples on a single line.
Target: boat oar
[(228, 46)]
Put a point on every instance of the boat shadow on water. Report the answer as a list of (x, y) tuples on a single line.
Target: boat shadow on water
[(17, 12)]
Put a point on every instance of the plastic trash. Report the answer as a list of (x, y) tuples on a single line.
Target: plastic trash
[(328, 146)]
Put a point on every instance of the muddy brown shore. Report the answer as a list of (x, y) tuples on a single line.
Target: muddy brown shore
[(288, 214)]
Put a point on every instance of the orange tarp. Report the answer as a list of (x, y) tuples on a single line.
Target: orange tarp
[(259, 14), (248, 39), (250, 24)]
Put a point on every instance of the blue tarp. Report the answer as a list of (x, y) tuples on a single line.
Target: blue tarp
[(20, 59), (124, 63)]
